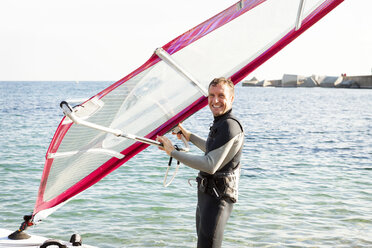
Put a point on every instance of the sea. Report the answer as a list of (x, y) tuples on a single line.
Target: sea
[(306, 172)]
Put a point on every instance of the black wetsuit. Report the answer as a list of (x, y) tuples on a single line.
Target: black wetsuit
[(218, 177)]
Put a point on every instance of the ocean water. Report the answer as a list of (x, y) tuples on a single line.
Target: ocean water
[(306, 177)]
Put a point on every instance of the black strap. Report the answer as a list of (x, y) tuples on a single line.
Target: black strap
[(171, 158), (53, 243)]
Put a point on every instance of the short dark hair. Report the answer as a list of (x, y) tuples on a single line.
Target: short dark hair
[(222, 80)]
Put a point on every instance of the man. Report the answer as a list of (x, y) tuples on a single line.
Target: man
[(219, 166)]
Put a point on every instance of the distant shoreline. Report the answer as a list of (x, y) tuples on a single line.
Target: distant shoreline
[(287, 81)]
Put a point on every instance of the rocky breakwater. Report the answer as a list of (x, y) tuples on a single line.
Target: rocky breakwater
[(292, 80)]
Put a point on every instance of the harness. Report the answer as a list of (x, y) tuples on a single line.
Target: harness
[(220, 185)]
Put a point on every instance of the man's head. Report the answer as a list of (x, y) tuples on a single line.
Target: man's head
[(220, 96)]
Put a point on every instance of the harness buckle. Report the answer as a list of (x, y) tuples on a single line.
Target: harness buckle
[(216, 193), (208, 185)]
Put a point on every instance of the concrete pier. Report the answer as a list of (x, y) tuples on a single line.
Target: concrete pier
[(364, 82), (291, 80)]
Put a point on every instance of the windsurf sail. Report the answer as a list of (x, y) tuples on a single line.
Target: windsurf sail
[(165, 90)]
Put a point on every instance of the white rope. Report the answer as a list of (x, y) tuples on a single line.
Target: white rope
[(166, 175)]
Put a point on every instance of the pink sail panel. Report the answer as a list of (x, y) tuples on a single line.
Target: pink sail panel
[(155, 97)]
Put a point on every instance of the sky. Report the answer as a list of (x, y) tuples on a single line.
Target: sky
[(107, 39)]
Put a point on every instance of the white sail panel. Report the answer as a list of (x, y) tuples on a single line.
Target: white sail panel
[(238, 42)]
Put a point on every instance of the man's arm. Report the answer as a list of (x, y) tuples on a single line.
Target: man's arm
[(197, 141), (213, 160)]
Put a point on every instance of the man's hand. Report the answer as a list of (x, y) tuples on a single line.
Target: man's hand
[(184, 131), (167, 144)]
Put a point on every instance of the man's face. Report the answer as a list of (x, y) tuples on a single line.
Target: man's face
[(220, 99)]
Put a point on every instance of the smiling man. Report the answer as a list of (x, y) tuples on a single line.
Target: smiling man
[(219, 166)]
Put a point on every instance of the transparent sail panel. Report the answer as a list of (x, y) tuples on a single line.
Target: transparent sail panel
[(157, 97), (137, 107), (68, 171)]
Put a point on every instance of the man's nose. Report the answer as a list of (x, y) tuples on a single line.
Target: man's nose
[(215, 99)]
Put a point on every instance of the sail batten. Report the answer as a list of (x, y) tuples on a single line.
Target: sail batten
[(168, 59), (155, 97)]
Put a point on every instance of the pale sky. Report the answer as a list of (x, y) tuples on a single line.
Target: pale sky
[(107, 39)]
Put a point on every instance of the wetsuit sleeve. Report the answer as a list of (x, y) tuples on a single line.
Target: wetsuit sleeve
[(199, 142), (213, 160)]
